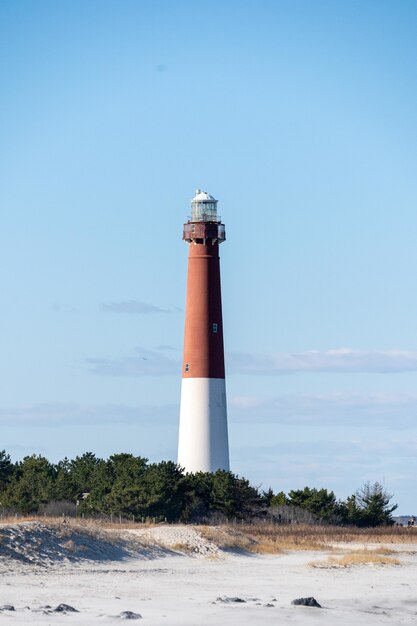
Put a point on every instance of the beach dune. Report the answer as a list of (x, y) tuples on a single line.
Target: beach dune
[(180, 576)]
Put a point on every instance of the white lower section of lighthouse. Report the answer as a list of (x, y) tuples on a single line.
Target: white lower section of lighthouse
[(203, 439)]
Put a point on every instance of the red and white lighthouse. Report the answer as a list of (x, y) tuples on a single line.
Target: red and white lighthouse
[(203, 439)]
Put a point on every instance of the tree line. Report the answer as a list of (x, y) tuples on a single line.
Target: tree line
[(129, 486)]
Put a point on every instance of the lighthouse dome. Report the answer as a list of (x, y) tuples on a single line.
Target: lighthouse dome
[(202, 196)]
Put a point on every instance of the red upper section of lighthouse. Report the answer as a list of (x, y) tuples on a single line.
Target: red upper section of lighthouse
[(203, 341)]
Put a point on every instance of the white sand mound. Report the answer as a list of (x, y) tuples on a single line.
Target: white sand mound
[(177, 538), (44, 544), (41, 544)]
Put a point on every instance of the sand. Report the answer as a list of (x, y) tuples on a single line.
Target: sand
[(173, 576)]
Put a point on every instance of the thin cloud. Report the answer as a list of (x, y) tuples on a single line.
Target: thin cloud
[(344, 360), (394, 410), (132, 307), (293, 465), (60, 413), (337, 360), (142, 363)]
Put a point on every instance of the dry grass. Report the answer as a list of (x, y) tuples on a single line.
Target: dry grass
[(275, 539), (258, 540), (262, 538), (94, 524), (382, 550), (181, 547), (359, 557)]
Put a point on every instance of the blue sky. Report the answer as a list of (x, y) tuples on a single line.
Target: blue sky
[(300, 117)]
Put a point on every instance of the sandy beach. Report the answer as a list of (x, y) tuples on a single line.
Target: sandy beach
[(175, 576)]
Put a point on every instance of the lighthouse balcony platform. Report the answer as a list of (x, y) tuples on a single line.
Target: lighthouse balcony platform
[(201, 231)]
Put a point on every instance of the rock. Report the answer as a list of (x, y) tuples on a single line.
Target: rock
[(227, 600), (307, 602), (7, 607), (65, 608), (130, 615), (269, 604)]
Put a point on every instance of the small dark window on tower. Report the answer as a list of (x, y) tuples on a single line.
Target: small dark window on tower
[(193, 229), (187, 367), (214, 328)]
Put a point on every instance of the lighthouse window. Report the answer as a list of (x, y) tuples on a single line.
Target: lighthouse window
[(187, 367), (214, 328)]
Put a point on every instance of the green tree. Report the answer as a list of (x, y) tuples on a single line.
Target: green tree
[(126, 469), (278, 499), (350, 512), (197, 500), (373, 502), (157, 490), (165, 486), (84, 471), (320, 502), (234, 496), (31, 485), (63, 486), (126, 496), (6, 469)]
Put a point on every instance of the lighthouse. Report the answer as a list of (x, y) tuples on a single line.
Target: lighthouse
[(203, 440)]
